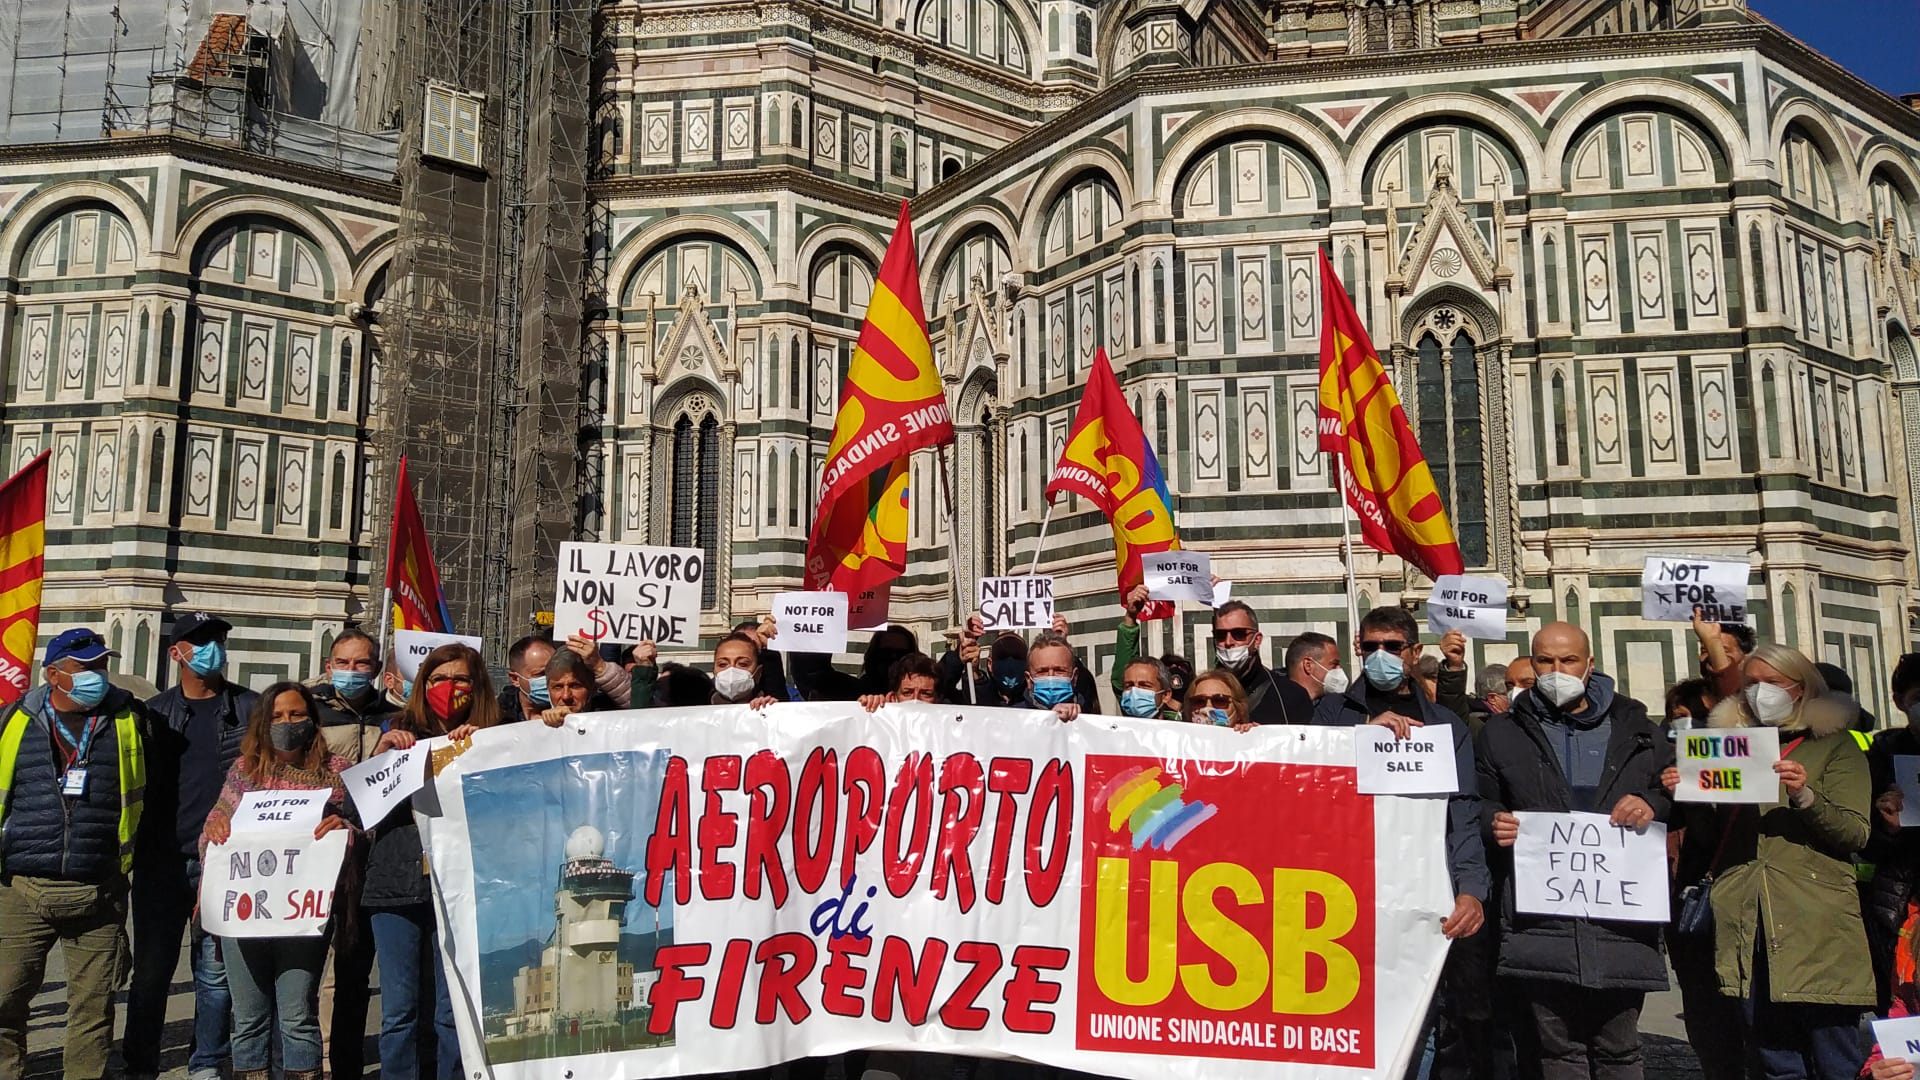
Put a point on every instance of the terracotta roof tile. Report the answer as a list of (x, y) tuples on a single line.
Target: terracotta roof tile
[(227, 35)]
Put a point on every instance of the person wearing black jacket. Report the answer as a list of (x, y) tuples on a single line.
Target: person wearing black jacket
[(1573, 744), (1272, 698), (1893, 851), (199, 722)]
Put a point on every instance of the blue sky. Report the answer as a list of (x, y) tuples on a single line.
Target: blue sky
[(1878, 40), (519, 818)]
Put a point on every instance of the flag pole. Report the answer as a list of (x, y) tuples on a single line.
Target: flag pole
[(953, 541), (1346, 547), (386, 617), (1042, 540)]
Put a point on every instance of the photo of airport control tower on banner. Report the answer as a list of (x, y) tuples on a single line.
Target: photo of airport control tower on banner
[(567, 937)]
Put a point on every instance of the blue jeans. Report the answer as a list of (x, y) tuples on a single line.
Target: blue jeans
[(1791, 1040), (165, 889), (275, 984), (404, 947)]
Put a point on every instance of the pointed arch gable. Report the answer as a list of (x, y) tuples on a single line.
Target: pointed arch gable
[(1431, 108), (1061, 175), (27, 217), (958, 229), (867, 242), (211, 216), (1195, 138), (1705, 110), (1885, 156)]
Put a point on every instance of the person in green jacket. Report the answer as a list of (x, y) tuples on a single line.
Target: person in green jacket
[(1788, 936)]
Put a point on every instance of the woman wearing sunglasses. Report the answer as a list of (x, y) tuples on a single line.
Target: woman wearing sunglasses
[(1217, 698)]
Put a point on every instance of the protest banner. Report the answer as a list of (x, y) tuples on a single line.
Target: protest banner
[(621, 594), (1016, 603), (379, 784), (1729, 765), (1899, 1039), (870, 609), (1582, 865), (1671, 586), (811, 879), (279, 811), (1906, 773), (1179, 575), (1421, 764), (1475, 606), (810, 622), (412, 646), (270, 884)]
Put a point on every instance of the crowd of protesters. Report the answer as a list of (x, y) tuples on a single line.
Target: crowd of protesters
[(1793, 922)]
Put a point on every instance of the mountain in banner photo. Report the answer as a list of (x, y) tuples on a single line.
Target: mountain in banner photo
[(567, 939)]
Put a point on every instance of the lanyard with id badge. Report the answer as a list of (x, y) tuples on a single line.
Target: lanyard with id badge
[(73, 782)]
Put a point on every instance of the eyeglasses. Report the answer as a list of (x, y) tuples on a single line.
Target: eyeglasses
[(1393, 647), (1218, 701), (1234, 633)]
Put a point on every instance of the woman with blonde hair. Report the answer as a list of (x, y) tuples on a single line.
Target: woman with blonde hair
[(452, 696), (1789, 942), (274, 979), (1216, 697)]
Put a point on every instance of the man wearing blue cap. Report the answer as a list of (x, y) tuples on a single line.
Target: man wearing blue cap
[(72, 776), (198, 724)]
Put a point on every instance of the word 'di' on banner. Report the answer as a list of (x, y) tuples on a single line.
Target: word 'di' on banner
[(1475, 606), (1671, 586), (1583, 865), (272, 884), (1729, 765), (810, 622), (1016, 603), (412, 646), (621, 594), (1178, 575)]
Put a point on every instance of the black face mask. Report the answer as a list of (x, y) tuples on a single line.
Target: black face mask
[(292, 737), (879, 660), (1179, 686), (1010, 672)]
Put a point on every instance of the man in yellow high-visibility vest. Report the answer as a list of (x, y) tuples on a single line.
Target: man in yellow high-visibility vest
[(72, 777)]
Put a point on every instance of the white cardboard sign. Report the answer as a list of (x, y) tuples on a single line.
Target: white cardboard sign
[(412, 646), (1728, 765), (869, 610), (1671, 586), (624, 594), (810, 622), (1906, 770), (1222, 592), (1421, 764), (268, 885), (1178, 575), (1583, 866), (1899, 1039), (379, 784), (1475, 606), (279, 811), (1016, 603)]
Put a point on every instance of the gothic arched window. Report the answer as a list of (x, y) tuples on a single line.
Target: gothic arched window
[(1447, 390), (694, 516)]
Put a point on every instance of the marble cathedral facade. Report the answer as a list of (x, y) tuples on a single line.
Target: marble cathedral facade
[(1645, 272)]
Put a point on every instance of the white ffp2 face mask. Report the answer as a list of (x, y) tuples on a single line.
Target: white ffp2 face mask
[(733, 684), (1770, 704), (1562, 688), (1336, 681)]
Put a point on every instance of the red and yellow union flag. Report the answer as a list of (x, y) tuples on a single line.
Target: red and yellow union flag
[(413, 581), (23, 553), (1388, 483), (892, 405)]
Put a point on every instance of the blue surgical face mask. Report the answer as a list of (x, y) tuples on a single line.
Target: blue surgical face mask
[(1220, 717), (1140, 703), (208, 659), (406, 689), (537, 691), (1051, 690), (350, 683), (89, 688), (1384, 669)]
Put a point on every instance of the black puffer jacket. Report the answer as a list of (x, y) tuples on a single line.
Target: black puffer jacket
[(1895, 857), (44, 834), (396, 872), (1518, 770), (169, 819)]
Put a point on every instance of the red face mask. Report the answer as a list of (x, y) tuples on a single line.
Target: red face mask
[(450, 701)]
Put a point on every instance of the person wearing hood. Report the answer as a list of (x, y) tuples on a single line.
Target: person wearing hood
[(1271, 698), (999, 680), (1574, 745), (73, 768), (353, 712), (816, 679), (199, 722), (1789, 941)]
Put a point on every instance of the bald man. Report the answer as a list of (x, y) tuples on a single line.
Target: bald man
[(1573, 743)]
